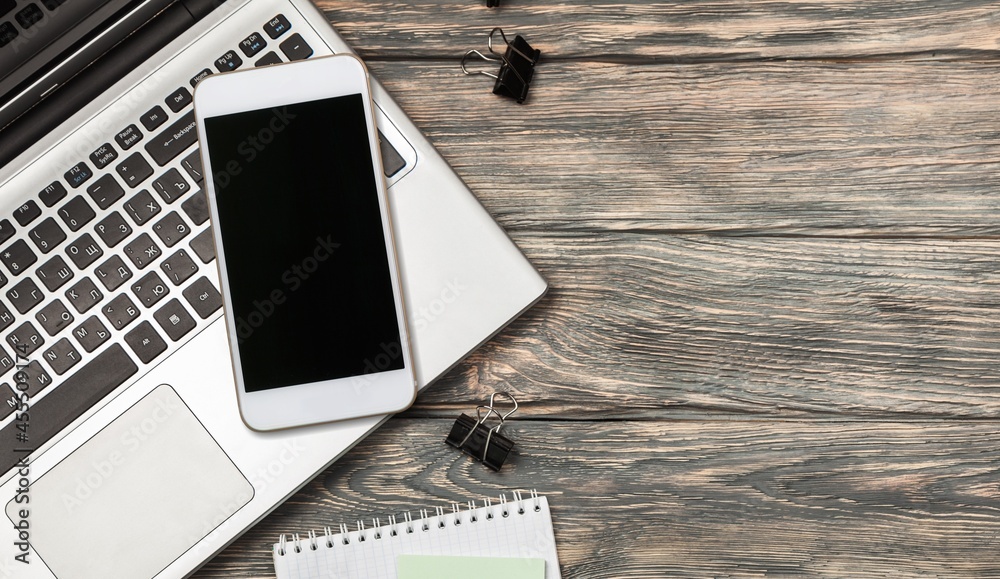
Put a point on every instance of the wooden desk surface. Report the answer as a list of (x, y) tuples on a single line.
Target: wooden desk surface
[(771, 230)]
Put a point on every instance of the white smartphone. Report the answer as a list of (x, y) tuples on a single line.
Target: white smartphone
[(304, 245)]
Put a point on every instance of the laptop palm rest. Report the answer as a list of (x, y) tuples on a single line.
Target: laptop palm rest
[(92, 515)]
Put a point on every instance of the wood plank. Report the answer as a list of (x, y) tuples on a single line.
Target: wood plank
[(654, 326), (827, 149), (691, 498), (638, 30)]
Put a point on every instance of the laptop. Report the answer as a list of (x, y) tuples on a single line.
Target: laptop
[(131, 460)]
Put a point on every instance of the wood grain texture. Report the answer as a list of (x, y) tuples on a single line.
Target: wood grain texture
[(647, 325), (691, 498), (824, 149), (771, 233), (639, 31)]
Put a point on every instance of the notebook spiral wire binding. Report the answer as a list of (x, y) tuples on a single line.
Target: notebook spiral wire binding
[(439, 520)]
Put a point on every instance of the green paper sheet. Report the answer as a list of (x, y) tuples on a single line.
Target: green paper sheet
[(429, 567)]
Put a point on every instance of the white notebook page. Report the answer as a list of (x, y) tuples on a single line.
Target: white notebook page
[(526, 531)]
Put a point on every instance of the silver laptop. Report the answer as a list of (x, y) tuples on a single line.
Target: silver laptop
[(132, 460)]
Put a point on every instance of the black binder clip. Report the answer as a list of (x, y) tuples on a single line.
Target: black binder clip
[(492, 3), (517, 66), (486, 445)]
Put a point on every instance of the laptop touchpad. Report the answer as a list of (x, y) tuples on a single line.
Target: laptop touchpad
[(136, 496)]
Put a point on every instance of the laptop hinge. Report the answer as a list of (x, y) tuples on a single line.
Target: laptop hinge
[(149, 36)]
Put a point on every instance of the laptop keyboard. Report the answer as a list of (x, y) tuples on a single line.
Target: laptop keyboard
[(106, 268)]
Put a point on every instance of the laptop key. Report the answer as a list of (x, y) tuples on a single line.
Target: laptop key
[(196, 207), (178, 267), (228, 61), (295, 48), (171, 229), (134, 170), (52, 194), (29, 16), (253, 44), (113, 229), (25, 339), (171, 186), (84, 295), (113, 272), (6, 230), (25, 295), (76, 213), (204, 246), (270, 58), (27, 212), (54, 317), (192, 164), (120, 312), (6, 361), (203, 297), (145, 342), (103, 156), (200, 77), (8, 32), (84, 251), (173, 140), (74, 396), (142, 207), (78, 175), (277, 26), (128, 137), (142, 251), (18, 257), (61, 356), (6, 6), (35, 377), (91, 333), (174, 319), (6, 319), (153, 118), (105, 191), (54, 273), (392, 161), (53, 4), (178, 99), (150, 289), (8, 400), (47, 235)]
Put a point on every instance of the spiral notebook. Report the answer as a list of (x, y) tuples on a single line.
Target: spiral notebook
[(519, 528)]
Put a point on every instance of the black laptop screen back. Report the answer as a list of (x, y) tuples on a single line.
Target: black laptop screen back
[(47, 75), (32, 32)]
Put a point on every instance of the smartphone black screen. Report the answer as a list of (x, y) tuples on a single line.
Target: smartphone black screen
[(304, 246)]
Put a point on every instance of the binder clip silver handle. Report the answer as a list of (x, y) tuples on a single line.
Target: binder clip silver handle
[(485, 445), (517, 66), (482, 56)]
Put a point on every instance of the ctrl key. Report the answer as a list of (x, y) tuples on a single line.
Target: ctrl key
[(203, 297)]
